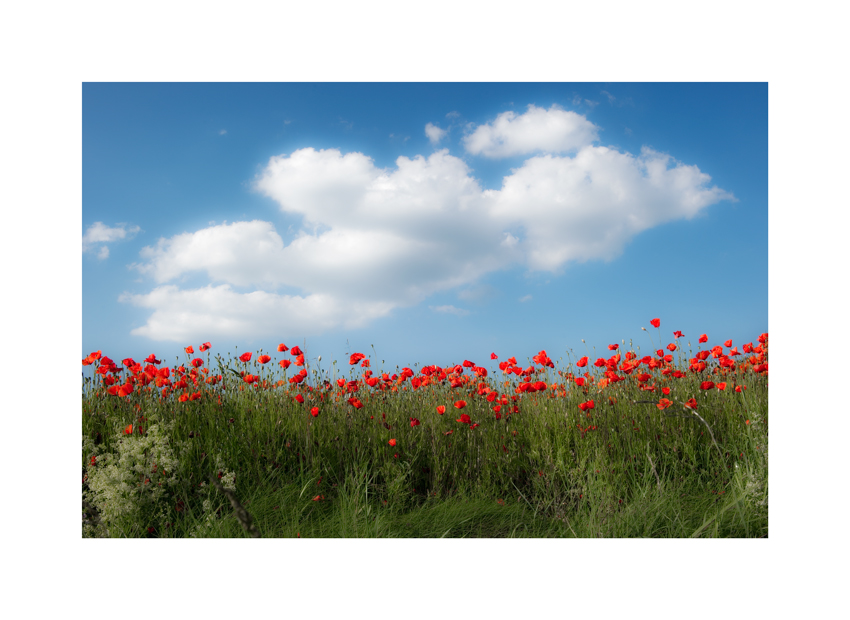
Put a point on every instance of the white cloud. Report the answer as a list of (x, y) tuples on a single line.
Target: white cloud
[(99, 233), (372, 240), (222, 132), (524, 299), (434, 133), (553, 130), (453, 114), (449, 310)]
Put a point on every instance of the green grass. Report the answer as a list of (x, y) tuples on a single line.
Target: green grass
[(637, 472)]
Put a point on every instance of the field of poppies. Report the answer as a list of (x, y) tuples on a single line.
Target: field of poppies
[(673, 443)]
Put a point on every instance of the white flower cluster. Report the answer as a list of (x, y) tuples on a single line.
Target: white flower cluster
[(131, 487)]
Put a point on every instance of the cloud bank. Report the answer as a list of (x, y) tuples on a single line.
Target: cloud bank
[(373, 240)]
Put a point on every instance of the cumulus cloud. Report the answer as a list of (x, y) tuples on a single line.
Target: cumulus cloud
[(434, 133), (373, 239), (99, 233), (449, 310), (524, 299), (553, 130)]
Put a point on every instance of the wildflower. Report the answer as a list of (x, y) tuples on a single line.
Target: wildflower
[(315, 412), (299, 399), (706, 385), (464, 419), (655, 322), (295, 351), (284, 364), (493, 356), (691, 404), (189, 350), (664, 403), (460, 404), (678, 334), (613, 347), (587, 405), (197, 362), (414, 422), (671, 347), (721, 385), (738, 388), (582, 362), (355, 357), (392, 442), (205, 347), (282, 348), (245, 357), (703, 338), (264, 359), (128, 430)]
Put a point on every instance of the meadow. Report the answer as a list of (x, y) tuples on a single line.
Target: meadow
[(673, 443)]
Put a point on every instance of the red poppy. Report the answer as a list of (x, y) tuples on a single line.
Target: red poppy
[(655, 322), (678, 334), (282, 348), (738, 388), (579, 381), (464, 419), (763, 338), (613, 347), (355, 402), (582, 362), (392, 442), (664, 403), (314, 412), (245, 357), (299, 361), (691, 404), (414, 422), (706, 385), (721, 386), (205, 347), (318, 497), (128, 430), (665, 391), (295, 351), (355, 357), (284, 364), (441, 409), (588, 405), (299, 399), (671, 347), (493, 356), (460, 404), (703, 338), (197, 362), (189, 350), (264, 359)]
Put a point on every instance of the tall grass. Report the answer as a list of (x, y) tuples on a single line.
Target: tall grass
[(624, 468)]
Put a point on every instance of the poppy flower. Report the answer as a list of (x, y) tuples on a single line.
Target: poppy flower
[(664, 403), (299, 361), (464, 419), (189, 350), (721, 386), (493, 356), (588, 405), (284, 364), (245, 357), (441, 409), (579, 381), (655, 322), (264, 359), (392, 442), (282, 348), (299, 399), (128, 430), (314, 412), (691, 404), (678, 334), (355, 402), (197, 362), (665, 391), (613, 347), (295, 351), (205, 347), (460, 404), (414, 422), (703, 338), (582, 362), (671, 347), (355, 357), (706, 385)]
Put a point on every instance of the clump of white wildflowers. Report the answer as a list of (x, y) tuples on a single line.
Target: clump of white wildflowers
[(132, 488)]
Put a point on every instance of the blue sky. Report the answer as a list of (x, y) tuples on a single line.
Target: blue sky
[(435, 222)]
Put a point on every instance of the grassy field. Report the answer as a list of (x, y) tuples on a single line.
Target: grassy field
[(670, 444)]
